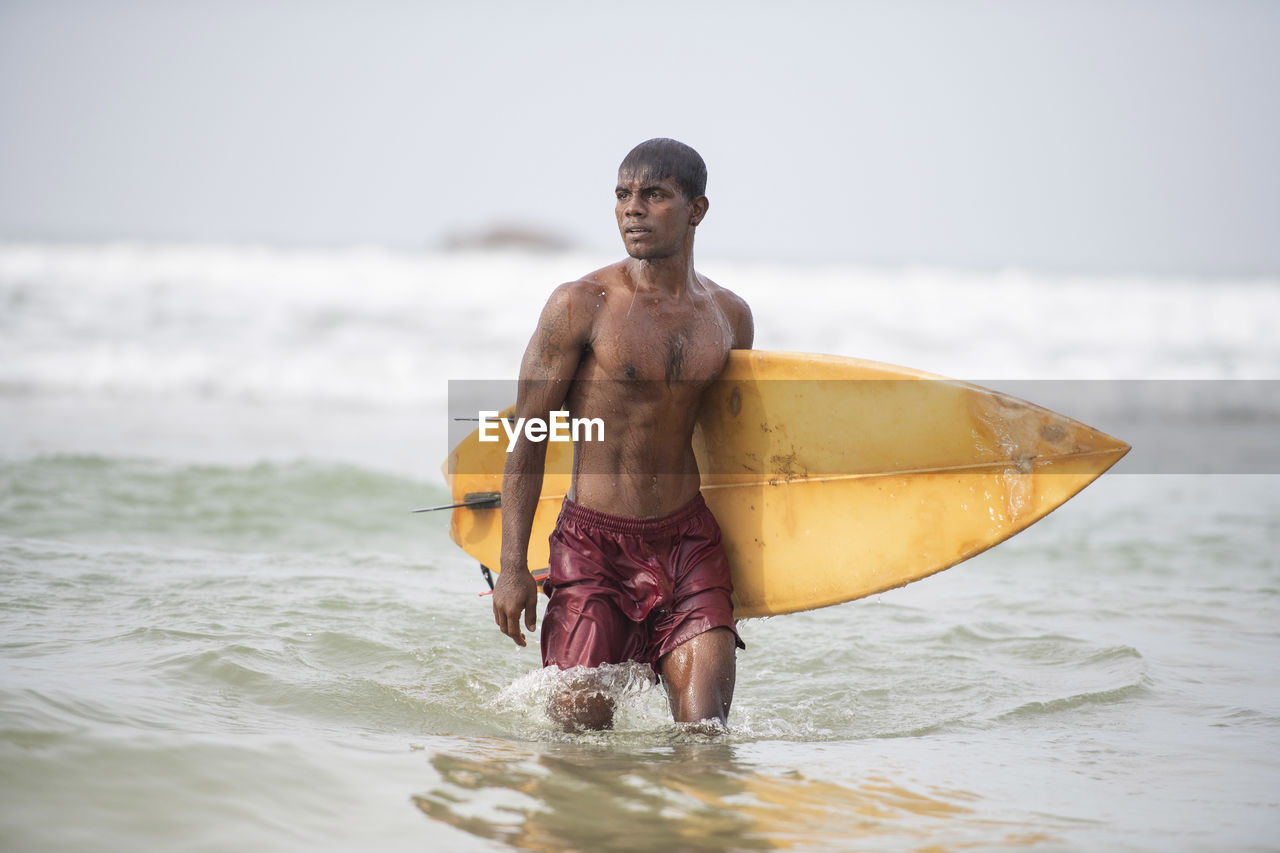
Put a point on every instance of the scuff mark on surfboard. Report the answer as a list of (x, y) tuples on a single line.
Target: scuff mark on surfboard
[(786, 468), (1053, 433), (1017, 484)]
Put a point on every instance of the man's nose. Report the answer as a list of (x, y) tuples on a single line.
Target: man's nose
[(634, 207)]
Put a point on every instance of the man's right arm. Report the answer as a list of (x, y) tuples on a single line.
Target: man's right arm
[(549, 364)]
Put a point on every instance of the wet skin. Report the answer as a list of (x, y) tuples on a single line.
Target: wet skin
[(635, 344)]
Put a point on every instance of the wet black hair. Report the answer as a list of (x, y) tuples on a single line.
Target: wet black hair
[(660, 158)]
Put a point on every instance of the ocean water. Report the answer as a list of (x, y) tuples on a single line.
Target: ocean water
[(222, 629)]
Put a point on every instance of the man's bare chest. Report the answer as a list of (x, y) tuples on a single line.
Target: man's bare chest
[(668, 349)]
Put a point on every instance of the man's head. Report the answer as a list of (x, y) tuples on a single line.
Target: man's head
[(660, 199), (650, 162)]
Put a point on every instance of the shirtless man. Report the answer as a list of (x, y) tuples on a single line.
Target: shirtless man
[(637, 570)]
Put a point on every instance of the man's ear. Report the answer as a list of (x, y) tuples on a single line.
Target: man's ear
[(698, 209)]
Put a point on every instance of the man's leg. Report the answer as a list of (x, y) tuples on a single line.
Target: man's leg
[(586, 633), (700, 674)]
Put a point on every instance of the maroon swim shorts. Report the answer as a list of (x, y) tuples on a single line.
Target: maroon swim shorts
[(633, 589)]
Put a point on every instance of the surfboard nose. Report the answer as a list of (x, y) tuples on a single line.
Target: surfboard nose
[(1067, 439), (1031, 436), (1107, 446)]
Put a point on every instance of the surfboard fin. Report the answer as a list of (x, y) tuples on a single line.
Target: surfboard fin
[(471, 500)]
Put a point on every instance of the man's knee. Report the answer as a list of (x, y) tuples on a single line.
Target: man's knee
[(581, 705), (713, 649)]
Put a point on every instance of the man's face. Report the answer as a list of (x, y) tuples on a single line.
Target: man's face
[(653, 216)]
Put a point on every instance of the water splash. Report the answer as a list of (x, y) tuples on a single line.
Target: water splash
[(639, 701)]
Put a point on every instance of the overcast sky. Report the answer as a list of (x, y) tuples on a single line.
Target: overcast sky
[(1061, 135)]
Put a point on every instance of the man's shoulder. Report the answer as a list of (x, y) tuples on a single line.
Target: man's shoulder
[(593, 286), (727, 299), (736, 309)]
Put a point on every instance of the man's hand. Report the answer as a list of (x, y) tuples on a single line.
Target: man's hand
[(515, 592)]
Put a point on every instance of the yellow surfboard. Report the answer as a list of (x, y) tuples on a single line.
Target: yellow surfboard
[(834, 478)]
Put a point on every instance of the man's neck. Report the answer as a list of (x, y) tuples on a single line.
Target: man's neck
[(672, 275)]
